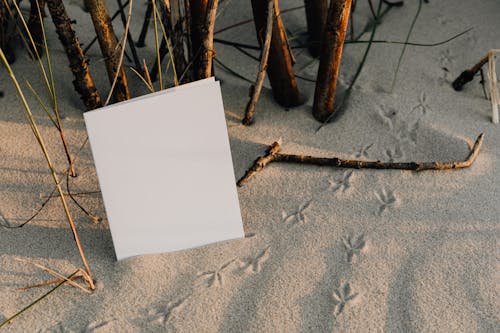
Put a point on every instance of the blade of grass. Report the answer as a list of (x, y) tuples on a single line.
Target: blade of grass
[(32, 42), (36, 132), (142, 78), (123, 46), (42, 104), (405, 45), (54, 273), (11, 318), (167, 43)]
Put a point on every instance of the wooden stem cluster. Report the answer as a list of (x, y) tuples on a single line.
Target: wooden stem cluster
[(316, 11)]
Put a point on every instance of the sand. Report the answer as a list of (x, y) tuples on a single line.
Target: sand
[(327, 250)]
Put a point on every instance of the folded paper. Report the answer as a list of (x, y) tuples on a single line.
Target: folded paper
[(165, 170)]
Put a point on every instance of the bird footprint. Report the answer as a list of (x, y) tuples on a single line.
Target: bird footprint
[(386, 198), (353, 246), (388, 116), (363, 151), (298, 216), (254, 264), (341, 297), (215, 278), (162, 315), (341, 183), (394, 154), (422, 105)]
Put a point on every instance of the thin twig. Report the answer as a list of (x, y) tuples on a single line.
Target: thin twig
[(54, 273), (273, 155), (468, 75), (257, 87), (49, 283)]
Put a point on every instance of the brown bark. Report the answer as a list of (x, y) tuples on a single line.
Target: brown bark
[(273, 155), (83, 82), (35, 25), (109, 47), (203, 15), (331, 53), (257, 87), (316, 11), (279, 70)]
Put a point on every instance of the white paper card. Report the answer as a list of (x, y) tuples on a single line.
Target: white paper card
[(165, 171)]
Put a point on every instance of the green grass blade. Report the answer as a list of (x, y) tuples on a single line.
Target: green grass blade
[(42, 104), (142, 79), (11, 318), (406, 44)]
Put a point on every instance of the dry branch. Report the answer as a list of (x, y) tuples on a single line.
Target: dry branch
[(331, 54), (316, 16), (257, 87), (280, 64), (203, 20), (83, 82), (468, 75), (273, 155), (109, 47)]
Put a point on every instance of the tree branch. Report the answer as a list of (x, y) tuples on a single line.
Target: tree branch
[(257, 87), (273, 155)]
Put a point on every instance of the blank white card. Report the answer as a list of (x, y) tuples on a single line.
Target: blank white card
[(165, 170)]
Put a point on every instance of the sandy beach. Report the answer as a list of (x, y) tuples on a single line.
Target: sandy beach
[(326, 249)]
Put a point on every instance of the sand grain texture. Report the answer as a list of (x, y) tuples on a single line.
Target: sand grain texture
[(328, 250)]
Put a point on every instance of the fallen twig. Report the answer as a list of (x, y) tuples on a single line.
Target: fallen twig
[(257, 87), (55, 274), (273, 155), (468, 75)]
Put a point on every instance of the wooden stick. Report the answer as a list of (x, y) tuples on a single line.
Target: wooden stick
[(83, 82), (273, 155), (261, 162), (257, 87), (468, 75), (204, 69), (45, 284), (316, 11), (280, 64), (331, 54), (109, 47)]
